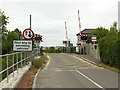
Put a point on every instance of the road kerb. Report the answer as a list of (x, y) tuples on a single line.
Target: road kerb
[(35, 77)]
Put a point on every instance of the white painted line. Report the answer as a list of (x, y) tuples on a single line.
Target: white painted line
[(72, 70), (86, 61), (90, 80), (58, 70), (48, 62), (35, 78)]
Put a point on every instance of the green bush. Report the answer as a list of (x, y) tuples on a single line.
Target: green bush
[(39, 62), (109, 45), (110, 49)]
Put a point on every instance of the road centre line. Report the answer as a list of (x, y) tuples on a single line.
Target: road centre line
[(90, 80)]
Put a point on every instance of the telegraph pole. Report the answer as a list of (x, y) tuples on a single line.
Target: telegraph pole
[(30, 22), (31, 51), (66, 34)]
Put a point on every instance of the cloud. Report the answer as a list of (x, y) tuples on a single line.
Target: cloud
[(48, 16)]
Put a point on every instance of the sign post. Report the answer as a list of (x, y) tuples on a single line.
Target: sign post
[(94, 39), (28, 34), (38, 39)]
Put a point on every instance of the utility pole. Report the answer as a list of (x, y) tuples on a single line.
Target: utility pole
[(31, 51), (66, 34), (30, 22)]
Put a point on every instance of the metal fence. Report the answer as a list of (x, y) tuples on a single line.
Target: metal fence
[(14, 61)]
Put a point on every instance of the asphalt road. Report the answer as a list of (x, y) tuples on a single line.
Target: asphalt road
[(67, 71)]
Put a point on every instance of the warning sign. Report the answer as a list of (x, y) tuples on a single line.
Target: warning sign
[(22, 45), (28, 34)]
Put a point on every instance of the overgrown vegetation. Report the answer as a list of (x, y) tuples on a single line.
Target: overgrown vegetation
[(39, 62), (108, 67), (109, 45)]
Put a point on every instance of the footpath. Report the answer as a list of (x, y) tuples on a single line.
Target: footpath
[(13, 81)]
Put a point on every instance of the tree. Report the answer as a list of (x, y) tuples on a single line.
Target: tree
[(18, 32), (3, 29), (52, 49), (100, 32), (3, 22), (7, 44), (114, 25), (109, 47)]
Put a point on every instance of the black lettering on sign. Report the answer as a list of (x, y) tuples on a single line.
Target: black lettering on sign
[(29, 35)]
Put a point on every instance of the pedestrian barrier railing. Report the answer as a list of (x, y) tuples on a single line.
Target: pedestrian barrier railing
[(14, 61)]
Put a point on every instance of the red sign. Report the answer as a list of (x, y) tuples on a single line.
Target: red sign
[(28, 34), (94, 38), (38, 38)]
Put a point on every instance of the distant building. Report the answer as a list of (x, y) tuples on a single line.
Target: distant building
[(84, 35), (81, 40)]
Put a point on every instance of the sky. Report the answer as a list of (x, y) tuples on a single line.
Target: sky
[(49, 16)]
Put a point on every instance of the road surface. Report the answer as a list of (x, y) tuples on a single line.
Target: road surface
[(67, 71)]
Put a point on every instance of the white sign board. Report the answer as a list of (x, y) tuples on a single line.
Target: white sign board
[(94, 38), (22, 45)]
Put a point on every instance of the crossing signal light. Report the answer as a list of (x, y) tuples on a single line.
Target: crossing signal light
[(84, 37), (41, 39), (38, 38)]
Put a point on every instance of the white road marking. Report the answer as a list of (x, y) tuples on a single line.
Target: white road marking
[(65, 70), (86, 67), (86, 62), (90, 80), (58, 70), (47, 62), (35, 78)]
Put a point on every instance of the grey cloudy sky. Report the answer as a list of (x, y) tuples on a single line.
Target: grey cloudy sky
[(48, 16)]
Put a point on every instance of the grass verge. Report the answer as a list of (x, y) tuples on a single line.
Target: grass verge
[(37, 63), (109, 67)]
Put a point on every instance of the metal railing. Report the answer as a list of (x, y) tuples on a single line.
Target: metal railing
[(14, 61)]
